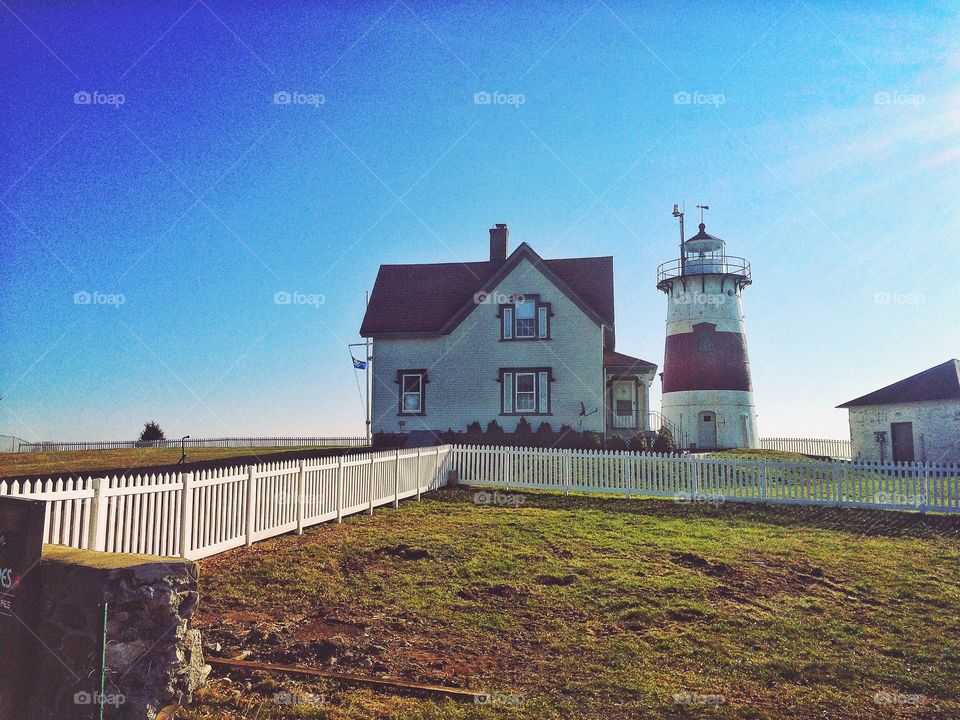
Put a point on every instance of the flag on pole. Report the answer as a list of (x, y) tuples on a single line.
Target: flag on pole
[(359, 364)]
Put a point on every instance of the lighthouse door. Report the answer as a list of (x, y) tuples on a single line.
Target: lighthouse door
[(707, 431), (624, 404)]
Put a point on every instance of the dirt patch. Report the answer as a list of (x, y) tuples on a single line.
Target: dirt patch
[(555, 579), (405, 552), (323, 629), (480, 594)]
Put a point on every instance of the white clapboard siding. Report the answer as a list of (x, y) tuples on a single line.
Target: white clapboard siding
[(821, 447), (198, 514), (50, 446), (926, 487)]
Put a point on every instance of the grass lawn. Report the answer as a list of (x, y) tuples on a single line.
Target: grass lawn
[(82, 461), (588, 607)]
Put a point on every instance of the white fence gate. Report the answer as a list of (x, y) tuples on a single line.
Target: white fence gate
[(198, 514), (823, 447), (904, 486)]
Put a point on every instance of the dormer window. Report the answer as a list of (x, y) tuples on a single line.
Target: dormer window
[(525, 319)]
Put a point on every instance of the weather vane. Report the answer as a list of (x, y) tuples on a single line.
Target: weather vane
[(702, 208)]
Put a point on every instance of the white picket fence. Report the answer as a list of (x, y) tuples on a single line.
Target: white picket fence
[(50, 446), (823, 447), (198, 514), (914, 486)]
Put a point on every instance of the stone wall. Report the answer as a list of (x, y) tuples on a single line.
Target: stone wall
[(153, 656)]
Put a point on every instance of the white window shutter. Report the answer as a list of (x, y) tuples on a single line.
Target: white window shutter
[(508, 392), (508, 323), (543, 403), (542, 322)]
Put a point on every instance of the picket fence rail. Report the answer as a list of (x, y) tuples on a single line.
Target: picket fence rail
[(202, 513), (198, 514), (703, 478), (823, 447), (50, 446)]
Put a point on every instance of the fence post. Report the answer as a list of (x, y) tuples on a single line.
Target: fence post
[(301, 485), (766, 481), (186, 513), (249, 514), (418, 474), (340, 488), (567, 469), (396, 480), (370, 486), (97, 537), (926, 489)]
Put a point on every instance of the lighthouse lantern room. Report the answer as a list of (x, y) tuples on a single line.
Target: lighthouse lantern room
[(707, 391)]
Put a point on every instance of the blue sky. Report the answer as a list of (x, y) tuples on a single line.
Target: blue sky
[(824, 136)]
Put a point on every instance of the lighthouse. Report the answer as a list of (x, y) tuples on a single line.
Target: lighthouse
[(707, 391)]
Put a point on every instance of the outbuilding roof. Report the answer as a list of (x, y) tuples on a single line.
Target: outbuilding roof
[(941, 382)]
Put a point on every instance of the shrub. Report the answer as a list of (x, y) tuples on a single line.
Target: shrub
[(616, 442), (493, 428), (475, 428), (639, 442), (523, 426), (151, 431), (544, 428), (664, 442)]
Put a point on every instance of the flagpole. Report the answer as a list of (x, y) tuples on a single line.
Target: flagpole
[(369, 371)]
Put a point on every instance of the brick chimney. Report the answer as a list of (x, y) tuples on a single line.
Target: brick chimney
[(498, 242)]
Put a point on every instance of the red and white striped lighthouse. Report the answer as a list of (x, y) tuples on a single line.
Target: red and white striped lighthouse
[(707, 391)]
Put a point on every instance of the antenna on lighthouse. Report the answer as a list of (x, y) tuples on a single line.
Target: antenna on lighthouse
[(678, 213)]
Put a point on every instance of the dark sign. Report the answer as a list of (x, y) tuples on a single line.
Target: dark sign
[(21, 542)]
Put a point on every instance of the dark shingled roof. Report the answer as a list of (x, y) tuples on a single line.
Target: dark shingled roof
[(423, 298), (612, 358), (941, 382)]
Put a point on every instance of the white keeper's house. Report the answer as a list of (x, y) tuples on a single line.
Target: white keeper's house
[(504, 338), (914, 420)]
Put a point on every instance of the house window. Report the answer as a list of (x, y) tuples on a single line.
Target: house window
[(525, 319), (412, 391), (525, 391)]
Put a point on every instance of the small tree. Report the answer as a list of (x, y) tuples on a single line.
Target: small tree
[(664, 442), (151, 431)]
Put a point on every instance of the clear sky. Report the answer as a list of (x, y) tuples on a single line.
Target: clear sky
[(181, 197)]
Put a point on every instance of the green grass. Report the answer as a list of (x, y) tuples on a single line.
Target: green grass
[(79, 461), (596, 608)]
